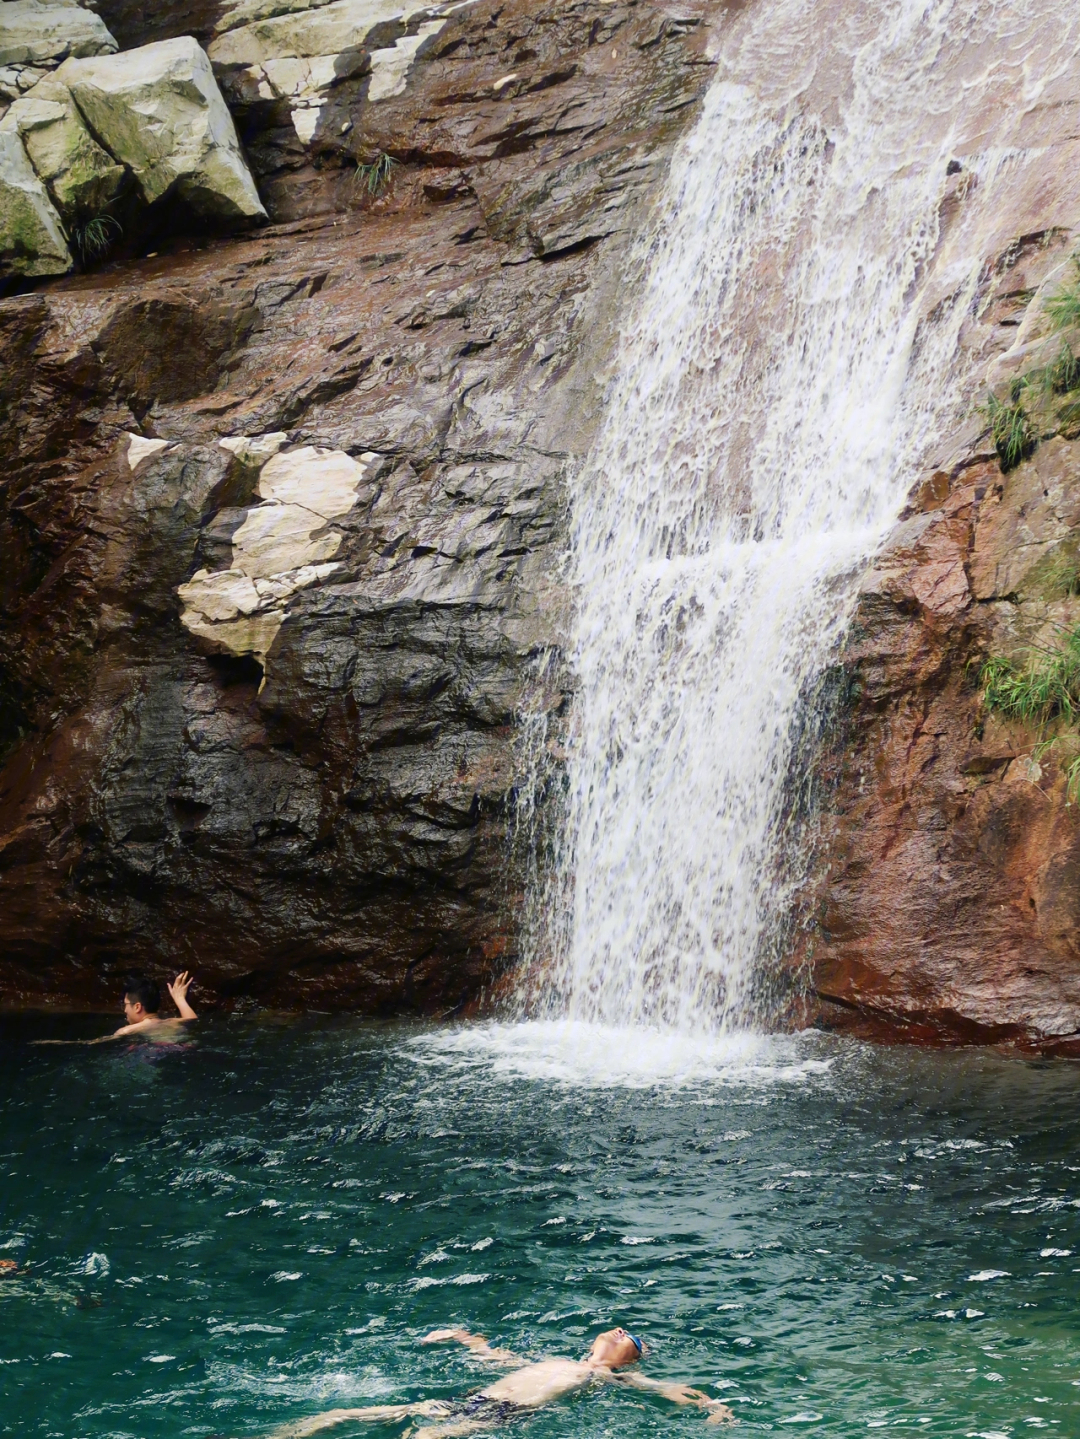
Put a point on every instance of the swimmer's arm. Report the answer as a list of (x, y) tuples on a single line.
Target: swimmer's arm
[(718, 1411), (121, 1033), (476, 1344), (178, 989), (124, 1030), (101, 1039)]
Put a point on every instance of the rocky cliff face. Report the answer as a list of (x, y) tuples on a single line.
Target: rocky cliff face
[(281, 520), (280, 514)]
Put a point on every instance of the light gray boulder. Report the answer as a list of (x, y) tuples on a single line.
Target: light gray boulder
[(159, 111), (45, 32), (82, 178), (32, 240)]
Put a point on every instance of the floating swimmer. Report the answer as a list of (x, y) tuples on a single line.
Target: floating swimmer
[(528, 1388), (142, 1001)]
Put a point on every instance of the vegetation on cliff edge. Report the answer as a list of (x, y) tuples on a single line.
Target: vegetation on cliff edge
[(1032, 410), (1043, 694)]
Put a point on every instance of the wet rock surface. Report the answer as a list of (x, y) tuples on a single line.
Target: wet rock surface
[(316, 809)]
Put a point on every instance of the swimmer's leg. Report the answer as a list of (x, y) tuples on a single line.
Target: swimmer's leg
[(453, 1429), (301, 1428)]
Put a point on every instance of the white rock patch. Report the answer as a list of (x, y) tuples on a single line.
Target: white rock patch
[(283, 545), (390, 68), (325, 481), (329, 30), (277, 538), (305, 118), (139, 448), (242, 12), (254, 451), (302, 54)]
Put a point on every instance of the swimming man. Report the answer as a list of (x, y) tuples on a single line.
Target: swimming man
[(142, 1002), (529, 1387)]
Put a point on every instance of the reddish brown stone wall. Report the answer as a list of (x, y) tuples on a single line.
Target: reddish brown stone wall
[(950, 898)]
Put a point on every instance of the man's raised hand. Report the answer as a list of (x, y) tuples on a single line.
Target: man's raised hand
[(178, 990)]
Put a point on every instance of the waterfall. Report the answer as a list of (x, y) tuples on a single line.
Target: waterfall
[(790, 357)]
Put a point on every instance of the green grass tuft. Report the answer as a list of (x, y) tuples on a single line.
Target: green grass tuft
[(1047, 688), (1072, 781), (1010, 428), (1063, 307), (1062, 575), (1042, 693), (94, 238), (1063, 376), (375, 177)]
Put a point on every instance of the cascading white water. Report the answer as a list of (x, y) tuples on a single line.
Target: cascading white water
[(790, 360)]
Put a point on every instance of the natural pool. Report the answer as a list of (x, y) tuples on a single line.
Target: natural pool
[(260, 1222)]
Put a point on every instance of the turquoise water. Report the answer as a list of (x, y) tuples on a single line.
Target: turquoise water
[(260, 1222)]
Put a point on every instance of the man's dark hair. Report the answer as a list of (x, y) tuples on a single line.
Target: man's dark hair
[(146, 992)]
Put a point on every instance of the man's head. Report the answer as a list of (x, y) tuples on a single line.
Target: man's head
[(142, 998), (614, 1348)]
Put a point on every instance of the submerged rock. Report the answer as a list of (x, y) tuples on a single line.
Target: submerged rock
[(32, 239), (159, 111)]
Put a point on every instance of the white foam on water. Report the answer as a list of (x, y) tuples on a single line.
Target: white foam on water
[(789, 360), (577, 1054)]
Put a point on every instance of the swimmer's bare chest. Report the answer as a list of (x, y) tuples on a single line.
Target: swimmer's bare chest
[(541, 1383)]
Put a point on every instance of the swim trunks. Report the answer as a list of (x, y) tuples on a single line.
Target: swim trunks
[(487, 1411)]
